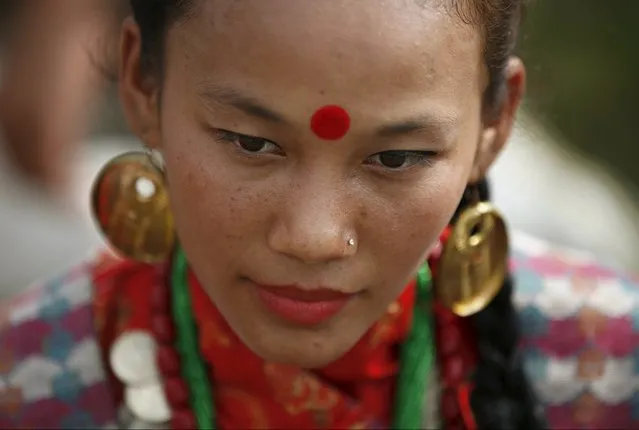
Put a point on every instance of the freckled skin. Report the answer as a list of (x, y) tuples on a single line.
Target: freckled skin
[(286, 218)]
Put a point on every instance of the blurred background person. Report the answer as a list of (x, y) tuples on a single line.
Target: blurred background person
[(49, 81), (54, 63), (568, 174)]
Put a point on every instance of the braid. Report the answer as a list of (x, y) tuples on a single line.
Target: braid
[(502, 398)]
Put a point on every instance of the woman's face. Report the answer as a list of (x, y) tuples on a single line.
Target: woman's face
[(279, 209)]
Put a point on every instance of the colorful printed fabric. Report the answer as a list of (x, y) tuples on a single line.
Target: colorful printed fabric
[(580, 326), (51, 373)]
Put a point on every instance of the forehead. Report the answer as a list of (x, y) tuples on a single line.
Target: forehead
[(340, 50)]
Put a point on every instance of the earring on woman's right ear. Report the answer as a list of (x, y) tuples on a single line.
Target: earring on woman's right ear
[(131, 207), (474, 259)]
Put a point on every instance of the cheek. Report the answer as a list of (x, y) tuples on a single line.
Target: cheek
[(215, 211), (407, 226), (206, 197)]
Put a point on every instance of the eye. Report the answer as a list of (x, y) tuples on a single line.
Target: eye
[(249, 144), (400, 160)]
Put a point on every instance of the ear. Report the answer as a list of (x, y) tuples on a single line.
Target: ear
[(139, 90), (498, 127)]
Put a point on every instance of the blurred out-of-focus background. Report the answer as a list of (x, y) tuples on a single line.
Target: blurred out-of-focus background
[(570, 174)]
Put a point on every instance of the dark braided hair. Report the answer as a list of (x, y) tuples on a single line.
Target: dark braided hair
[(502, 398)]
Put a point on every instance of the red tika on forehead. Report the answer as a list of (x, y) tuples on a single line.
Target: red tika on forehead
[(330, 122)]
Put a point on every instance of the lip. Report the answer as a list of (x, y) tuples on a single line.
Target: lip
[(308, 307)]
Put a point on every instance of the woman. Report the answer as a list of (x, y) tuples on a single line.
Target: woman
[(314, 155)]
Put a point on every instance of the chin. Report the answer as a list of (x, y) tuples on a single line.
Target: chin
[(306, 349)]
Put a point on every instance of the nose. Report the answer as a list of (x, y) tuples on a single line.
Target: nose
[(314, 226)]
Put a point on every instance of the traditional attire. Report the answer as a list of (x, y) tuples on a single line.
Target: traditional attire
[(90, 349)]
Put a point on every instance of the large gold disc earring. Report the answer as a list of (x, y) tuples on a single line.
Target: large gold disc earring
[(474, 260), (131, 207)]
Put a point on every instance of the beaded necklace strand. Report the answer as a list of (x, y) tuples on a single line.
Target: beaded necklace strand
[(416, 354)]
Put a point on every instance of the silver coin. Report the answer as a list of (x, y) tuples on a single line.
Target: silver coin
[(148, 402), (133, 358)]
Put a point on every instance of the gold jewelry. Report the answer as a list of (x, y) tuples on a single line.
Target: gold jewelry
[(131, 207), (474, 260)]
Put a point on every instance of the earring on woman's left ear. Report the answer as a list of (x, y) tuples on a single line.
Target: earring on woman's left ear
[(130, 204), (474, 260)]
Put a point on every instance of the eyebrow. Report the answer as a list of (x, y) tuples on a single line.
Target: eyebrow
[(227, 96), (233, 97), (427, 123)]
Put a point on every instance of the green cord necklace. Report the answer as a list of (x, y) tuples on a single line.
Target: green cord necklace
[(416, 355)]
